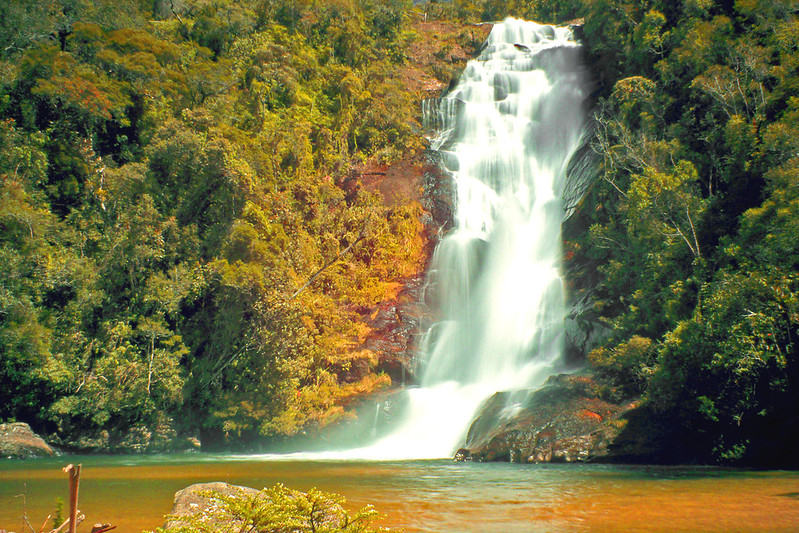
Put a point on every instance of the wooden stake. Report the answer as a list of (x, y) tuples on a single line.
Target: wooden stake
[(74, 482)]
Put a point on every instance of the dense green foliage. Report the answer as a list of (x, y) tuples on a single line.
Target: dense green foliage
[(275, 510), (171, 177), (688, 243), (693, 222)]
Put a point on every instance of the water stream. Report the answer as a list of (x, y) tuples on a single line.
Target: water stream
[(508, 130)]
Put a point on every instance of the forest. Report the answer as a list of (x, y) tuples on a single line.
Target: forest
[(172, 194), (178, 244), (685, 249)]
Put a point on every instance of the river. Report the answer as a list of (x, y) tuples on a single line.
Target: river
[(436, 496)]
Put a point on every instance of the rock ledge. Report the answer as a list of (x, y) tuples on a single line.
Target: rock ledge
[(564, 421)]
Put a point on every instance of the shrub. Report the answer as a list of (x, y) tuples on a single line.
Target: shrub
[(276, 510)]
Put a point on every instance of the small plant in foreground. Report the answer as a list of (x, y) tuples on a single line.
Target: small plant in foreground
[(275, 510)]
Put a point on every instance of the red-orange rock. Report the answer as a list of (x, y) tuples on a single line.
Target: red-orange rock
[(564, 421)]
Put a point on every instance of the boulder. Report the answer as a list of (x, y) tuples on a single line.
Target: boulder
[(563, 421), (278, 509), (17, 440), (190, 502)]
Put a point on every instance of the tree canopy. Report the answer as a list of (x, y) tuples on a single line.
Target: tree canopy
[(177, 240), (171, 178)]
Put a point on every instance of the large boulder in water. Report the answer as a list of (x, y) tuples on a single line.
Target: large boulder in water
[(223, 507), (563, 421), (17, 440), (194, 500)]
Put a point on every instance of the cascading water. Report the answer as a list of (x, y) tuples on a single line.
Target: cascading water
[(509, 129)]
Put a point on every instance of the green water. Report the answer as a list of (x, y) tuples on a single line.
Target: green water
[(135, 492)]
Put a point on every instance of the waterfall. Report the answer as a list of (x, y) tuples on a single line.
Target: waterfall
[(510, 127), (508, 131)]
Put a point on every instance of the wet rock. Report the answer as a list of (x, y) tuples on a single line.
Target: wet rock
[(463, 455), (17, 440), (395, 332), (438, 196), (564, 421)]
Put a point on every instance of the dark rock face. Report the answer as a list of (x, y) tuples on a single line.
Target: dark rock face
[(18, 441), (162, 437), (438, 197), (396, 324), (564, 421), (395, 331)]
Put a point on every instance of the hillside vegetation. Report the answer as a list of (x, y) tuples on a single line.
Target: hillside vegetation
[(177, 243), (687, 246), (177, 239)]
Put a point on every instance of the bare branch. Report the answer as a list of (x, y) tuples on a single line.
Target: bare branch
[(45, 523), (693, 230), (174, 12), (605, 177), (330, 263), (684, 238)]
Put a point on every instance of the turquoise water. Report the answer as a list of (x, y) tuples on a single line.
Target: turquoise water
[(135, 492)]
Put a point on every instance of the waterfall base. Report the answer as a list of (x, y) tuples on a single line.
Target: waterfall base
[(563, 421)]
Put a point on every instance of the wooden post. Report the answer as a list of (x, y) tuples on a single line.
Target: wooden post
[(74, 482)]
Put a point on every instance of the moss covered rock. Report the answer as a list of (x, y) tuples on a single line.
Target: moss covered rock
[(17, 440)]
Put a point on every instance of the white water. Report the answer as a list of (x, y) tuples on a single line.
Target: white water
[(509, 129)]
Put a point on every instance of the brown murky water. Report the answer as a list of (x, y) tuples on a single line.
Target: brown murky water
[(439, 496)]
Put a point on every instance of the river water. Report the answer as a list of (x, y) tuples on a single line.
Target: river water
[(436, 496)]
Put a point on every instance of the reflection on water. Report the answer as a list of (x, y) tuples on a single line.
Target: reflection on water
[(440, 496)]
